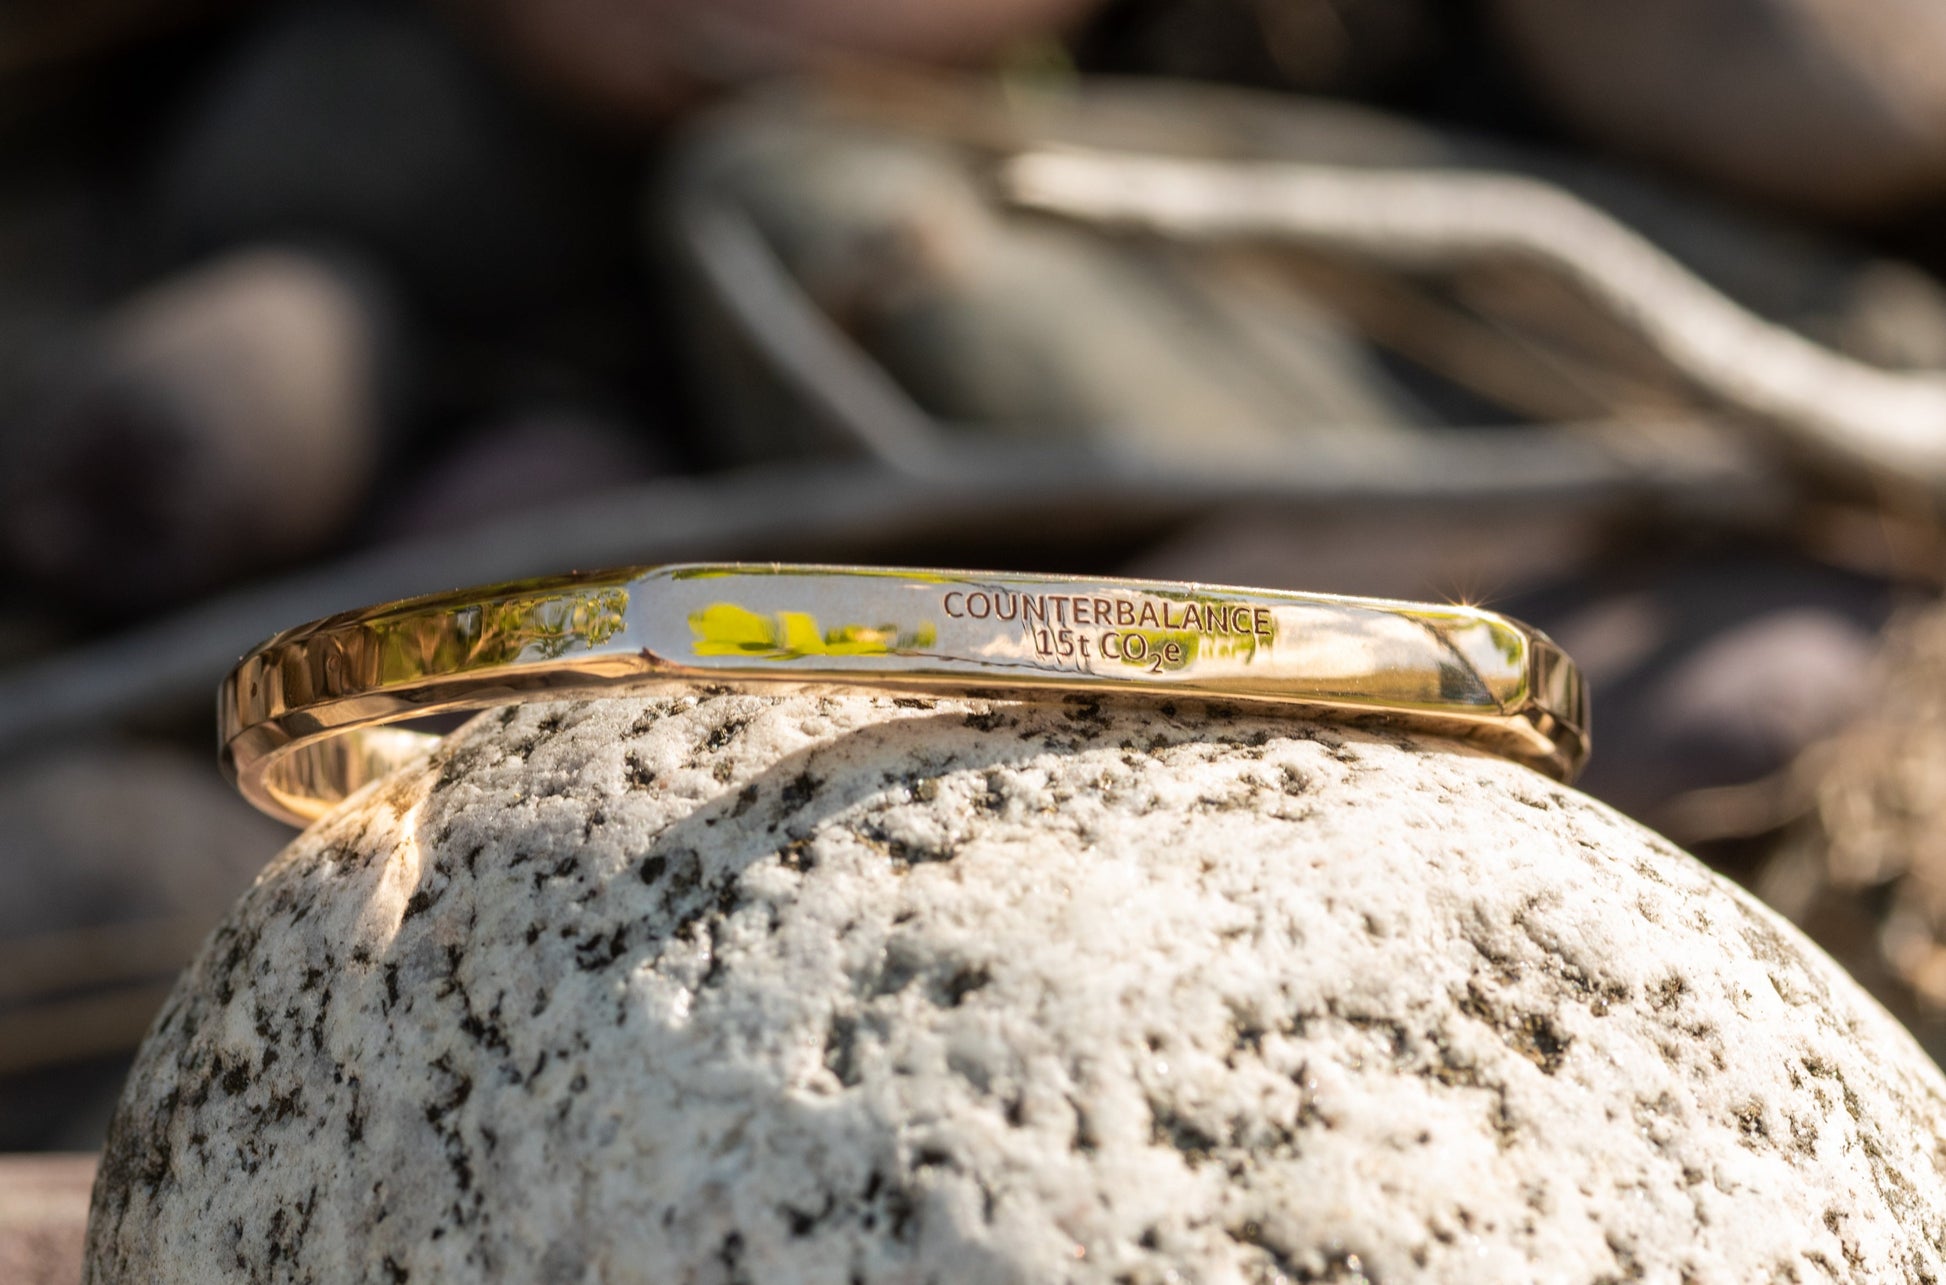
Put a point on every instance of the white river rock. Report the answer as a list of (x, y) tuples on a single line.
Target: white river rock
[(848, 989)]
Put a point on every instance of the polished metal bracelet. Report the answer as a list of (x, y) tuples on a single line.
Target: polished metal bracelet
[(303, 716)]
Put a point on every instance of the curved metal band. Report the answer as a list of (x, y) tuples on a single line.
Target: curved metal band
[(301, 716)]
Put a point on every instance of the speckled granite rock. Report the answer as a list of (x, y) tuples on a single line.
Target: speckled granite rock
[(851, 989)]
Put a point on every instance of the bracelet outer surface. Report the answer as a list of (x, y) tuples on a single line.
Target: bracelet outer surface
[(302, 717)]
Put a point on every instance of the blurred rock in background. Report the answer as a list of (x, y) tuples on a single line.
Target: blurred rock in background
[(1830, 106), (302, 298), (506, 234), (223, 421), (868, 224), (1008, 326)]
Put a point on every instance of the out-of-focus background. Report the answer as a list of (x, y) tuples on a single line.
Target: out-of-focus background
[(1625, 319)]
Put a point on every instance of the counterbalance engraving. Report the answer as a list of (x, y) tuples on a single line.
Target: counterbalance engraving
[(1137, 630)]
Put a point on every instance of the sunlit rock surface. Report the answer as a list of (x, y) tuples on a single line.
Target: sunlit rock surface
[(853, 989)]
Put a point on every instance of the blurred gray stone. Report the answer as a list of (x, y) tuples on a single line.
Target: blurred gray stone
[(223, 420), (855, 265), (1015, 326), (732, 988)]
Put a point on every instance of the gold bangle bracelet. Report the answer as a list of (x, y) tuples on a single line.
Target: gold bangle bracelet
[(302, 716)]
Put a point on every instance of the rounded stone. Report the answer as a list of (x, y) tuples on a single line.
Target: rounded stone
[(852, 989), (1830, 106)]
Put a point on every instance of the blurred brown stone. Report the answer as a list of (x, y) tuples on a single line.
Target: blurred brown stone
[(1831, 105), (43, 1217)]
